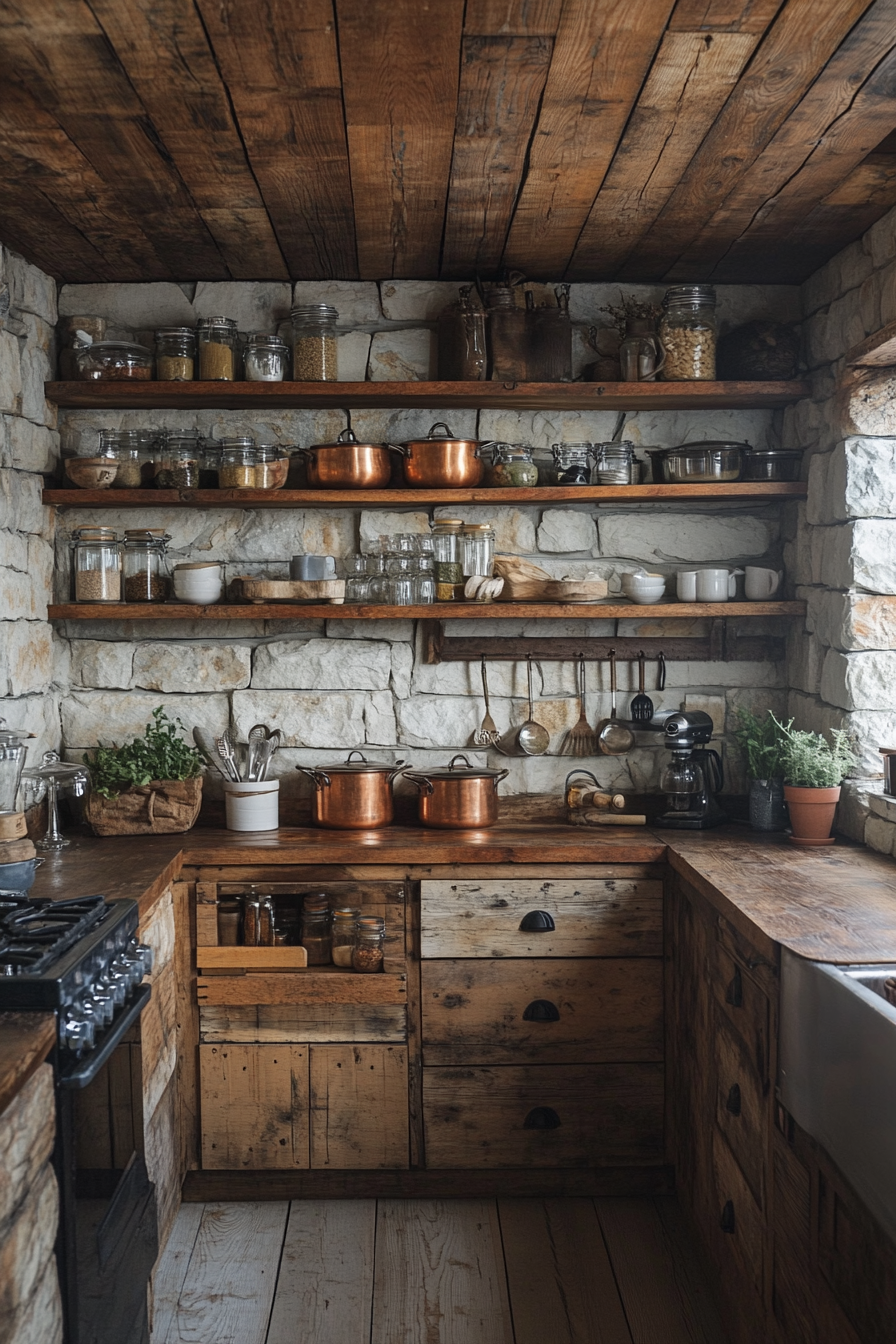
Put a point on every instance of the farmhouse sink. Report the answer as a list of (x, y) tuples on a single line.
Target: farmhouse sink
[(837, 1070)]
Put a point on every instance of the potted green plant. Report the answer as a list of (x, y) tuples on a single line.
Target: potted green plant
[(814, 768), (762, 741), (150, 786)]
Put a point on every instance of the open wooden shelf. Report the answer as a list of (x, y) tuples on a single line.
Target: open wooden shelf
[(438, 611), (545, 494), (136, 395)]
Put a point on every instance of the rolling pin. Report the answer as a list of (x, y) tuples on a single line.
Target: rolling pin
[(577, 816), (577, 795)]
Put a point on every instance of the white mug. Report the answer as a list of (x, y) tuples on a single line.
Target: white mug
[(761, 583), (716, 585), (686, 585)]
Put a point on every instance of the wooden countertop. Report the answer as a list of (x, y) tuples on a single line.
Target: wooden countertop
[(25, 1041)]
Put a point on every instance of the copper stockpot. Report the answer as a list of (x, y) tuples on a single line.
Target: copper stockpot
[(441, 460), (354, 796), (348, 464), (458, 797)]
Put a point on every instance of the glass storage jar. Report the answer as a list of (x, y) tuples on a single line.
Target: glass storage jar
[(175, 354), (132, 450), (345, 932), (209, 464), (114, 362), (368, 953), (511, 465), (616, 464), (145, 565), (508, 336), (271, 467), (314, 352), (217, 340), (229, 921), (265, 358), (447, 568), (177, 466), (317, 936), (237, 470), (478, 548), (572, 463), (258, 919), (688, 333), (96, 565), (461, 337)]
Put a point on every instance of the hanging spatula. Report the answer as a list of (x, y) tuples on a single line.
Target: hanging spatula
[(641, 708)]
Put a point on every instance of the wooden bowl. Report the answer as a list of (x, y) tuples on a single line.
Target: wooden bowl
[(91, 473)]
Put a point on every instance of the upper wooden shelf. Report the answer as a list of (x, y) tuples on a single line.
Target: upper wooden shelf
[(442, 396), (438, 611), (545, 494)]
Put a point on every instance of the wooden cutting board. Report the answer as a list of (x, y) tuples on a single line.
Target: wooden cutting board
[(288, 590)]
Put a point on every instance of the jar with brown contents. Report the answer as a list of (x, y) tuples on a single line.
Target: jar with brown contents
[(145, 567), (271, 467), (178, 467), (237, 469), (317, 938), (345, 930), (175, 354), (368, 955), (217, 338), (314, 343), (688, 334)]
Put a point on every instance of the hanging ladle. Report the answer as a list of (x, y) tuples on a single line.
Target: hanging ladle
[(614, 738), (532, 739)]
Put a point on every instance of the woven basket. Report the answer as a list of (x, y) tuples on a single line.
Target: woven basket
[(164, 807)]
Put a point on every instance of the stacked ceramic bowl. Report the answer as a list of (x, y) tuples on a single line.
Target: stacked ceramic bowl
[(644, 588), (201, 582)]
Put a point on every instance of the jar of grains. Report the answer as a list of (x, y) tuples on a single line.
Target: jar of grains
[(511, 465), (237, 469), (314, 357), (345, 930), (688, 333), (144, 564), (264, 359), (478, 547), (113, 361), (317, 937), (367, 954), (447, 569), (175, 354), (271, 467), (217, 338), (131, 450), (96, 565), (177, 467)]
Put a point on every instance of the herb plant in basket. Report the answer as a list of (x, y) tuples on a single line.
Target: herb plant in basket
[(814, 768), (762, 741), (150, 786)]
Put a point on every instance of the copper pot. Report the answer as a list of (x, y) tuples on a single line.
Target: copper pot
[(458, 797), (348, 464), (354, 796), (441, 460)]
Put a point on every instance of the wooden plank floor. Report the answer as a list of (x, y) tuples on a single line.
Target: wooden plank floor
[(466, 1271)]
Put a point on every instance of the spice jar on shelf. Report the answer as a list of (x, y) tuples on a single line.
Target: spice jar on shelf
[(132, 450), (265, 358), (145, 565), (368, 954), (175, 354), (271, 467), (177, 467), (447, 568), (688, 333), (314, 358), (217, 338), (258, 919), (478, 548), (96, 565), (345, 932), (511, 465), (237, 470), (317, 936), (572, 463)]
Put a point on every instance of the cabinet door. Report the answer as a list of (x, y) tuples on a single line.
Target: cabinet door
[(793, 1273), (741, 1107), (254, 1106), (359, 1107)]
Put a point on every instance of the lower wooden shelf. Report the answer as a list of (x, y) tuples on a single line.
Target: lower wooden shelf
[(441, 611)]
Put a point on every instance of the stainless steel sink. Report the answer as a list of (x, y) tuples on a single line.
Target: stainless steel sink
[(837, 1070)]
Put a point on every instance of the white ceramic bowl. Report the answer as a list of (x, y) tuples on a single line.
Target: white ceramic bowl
[(202, 594), (644, 588)]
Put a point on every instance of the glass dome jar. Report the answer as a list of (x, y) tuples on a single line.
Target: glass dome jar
[(478, 548), (217, 338), (175, 354), (572, 463), (113, 362), (447, 568), (145, 566), (314, 355), (96, 565), (265, 358), (688, 334), (511, 465), (237, 470), (368, 953), (271, 467)]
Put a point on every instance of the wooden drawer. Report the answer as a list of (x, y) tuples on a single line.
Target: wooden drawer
[(746, 1008), (741, 1106), (603, 917), (314, 986), (738, 1224), (558, 1012), (305, 1024), (543, 1115)]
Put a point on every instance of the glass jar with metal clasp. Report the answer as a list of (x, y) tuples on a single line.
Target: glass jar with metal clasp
[(218, 339), (511, 465), (616, 464), (572, 463), (145, 565), (265, 358), (96, 565), (688, 333)]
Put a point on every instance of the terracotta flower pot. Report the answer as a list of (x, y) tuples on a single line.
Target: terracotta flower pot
[(811, 814)]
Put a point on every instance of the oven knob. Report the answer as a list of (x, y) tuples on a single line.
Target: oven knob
[(131, 967), (77, 1033), (115, 984), (102, 1006), (143, 951)]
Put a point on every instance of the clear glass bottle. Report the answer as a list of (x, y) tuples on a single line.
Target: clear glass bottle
[(368, 953), (175, 354), (424, 580), (550, 341), (640, 354), (217, 338), (447, 568), (96, 565), (478, 548), (314, 342), (265, 358), (572, 463), (237, 470), (317, 935), (145, 565), (177, 467), (345, 933), (511, 466), (688, 333), (463, 355), (508, 336)]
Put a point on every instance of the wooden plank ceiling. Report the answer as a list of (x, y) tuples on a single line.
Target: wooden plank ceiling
[(641, 140)]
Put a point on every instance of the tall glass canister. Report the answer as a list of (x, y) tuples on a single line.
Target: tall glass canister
[(315, 350), (96, 565), (688, 334)]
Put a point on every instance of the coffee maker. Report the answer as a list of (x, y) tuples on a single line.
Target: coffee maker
[(693, 777)]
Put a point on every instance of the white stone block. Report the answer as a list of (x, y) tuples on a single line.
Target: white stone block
[(566, 530), (39, 714), (465, 679), (404, 356), (379, 719), (805, 658), (417, 300), (384, 522), (30, 289), (853, 808), (323, 533), (132, 306), (882, 805), (694, 538), (328, 720), (26, 657), (395, 632), (863, 477), (859, 680), (10, 374), (514, 528), (447, 721), (855, 265), (357, 302), (402, 670), (105, 717), (31, 447), (880, 835), (21, 509), (352, 355), (323, 664), (257, 305), (201, 667), (860, 554), (713, 705)]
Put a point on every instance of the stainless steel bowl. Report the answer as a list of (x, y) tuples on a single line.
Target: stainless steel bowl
[(694, 463)]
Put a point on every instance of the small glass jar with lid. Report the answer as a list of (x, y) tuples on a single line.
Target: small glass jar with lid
[(177, 467), (96, 565), (688, 332), (113, 362), (368, 953), (447, 568), (209, 464), (237, 470), (175, 354), (131, 449), (317, 934), (217, 339), (572, 463), (145, 564), (314, 345), (616, 464), (271, 467), (345, 933), (258, 919), (265, 358), (511, 466), (478, 548)]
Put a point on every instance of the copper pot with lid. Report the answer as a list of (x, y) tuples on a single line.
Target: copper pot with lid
[(441, 460), (458, 797), (353, 796), (348, 464)]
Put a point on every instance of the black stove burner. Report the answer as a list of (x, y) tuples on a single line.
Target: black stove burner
[(34, 934)]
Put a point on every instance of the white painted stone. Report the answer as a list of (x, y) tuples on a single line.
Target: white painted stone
[(379, 719), (325, 533), (102, 665), (39, 714), (30, 289), (10, 374), (514, 528), (357, 302), (417, 300), (402, 669), (20, 503), (694, 538), (328, 720), (376, 523), (880, 835), (858, 680), (323, 664), (199, 667), (566, 530), (860, 554), (863, 477), (259, 305), (30, 447), (105, 717), (26, 657), (404, 356), (158, 304), (352, 355), (37, 367), (441, 720)]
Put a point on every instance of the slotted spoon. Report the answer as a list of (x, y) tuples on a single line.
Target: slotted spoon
[(581, 739), (641, 708)]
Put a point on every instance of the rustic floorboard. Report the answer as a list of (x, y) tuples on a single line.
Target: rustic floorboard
[(172, 1270), (325, 1286)]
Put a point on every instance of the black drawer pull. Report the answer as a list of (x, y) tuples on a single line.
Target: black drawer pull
[(734, 994), (726, 1222), (541, 1010), (537, 921), (542, 1117), (733, 1102)]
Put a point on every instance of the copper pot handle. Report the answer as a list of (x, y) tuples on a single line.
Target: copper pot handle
[(399, 769), (423, 782), (401, 448), (320, 777), (502, 774), (440, 424)]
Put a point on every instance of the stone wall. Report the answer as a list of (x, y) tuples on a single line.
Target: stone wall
[(29, 445), (334, 685)]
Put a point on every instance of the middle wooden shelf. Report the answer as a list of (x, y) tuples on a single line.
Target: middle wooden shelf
[(331, 611)]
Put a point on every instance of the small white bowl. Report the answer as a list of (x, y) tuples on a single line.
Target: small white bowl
[(644, 588), (204, 595)]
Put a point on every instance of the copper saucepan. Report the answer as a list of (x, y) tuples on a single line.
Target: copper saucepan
[(441, 460), (353, 796), (458, 797), (348, 464)]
